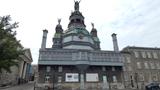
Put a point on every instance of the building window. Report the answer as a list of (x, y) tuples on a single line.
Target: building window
[(157, 65), (60, 68), (48, 69), (139, 65), (143, 54), (59, 79), (123, 60), (114, 78), (154, 77), (113, 68), (155, 55), (47, 79), (103, 68), (149, 55), (124, 68), (146, 65), (126, 77), (141, 77), (129, 68), (152, 65), (136, 54), (128, 59)]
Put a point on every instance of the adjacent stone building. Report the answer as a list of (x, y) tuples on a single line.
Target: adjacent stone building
[(19, 74), (141, 66)]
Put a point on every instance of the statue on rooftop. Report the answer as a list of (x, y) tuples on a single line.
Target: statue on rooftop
[(92, 25), (59, 21), (76, 5)]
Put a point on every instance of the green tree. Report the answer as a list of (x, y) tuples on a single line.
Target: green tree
[(10, 47)]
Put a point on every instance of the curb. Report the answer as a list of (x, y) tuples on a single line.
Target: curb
[(5, 87)]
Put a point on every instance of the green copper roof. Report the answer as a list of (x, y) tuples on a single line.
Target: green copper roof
[(96, 39), (57, 35), (77, 31)]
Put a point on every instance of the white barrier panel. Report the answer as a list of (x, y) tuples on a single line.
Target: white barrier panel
[(72, 77), (92, 77)]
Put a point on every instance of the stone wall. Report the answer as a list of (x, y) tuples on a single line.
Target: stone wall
[(54, 75)]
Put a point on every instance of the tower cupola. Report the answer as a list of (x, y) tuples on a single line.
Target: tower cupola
[(76, 18), (77, 36)]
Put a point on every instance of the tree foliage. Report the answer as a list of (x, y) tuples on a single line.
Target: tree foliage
[(10, 47)]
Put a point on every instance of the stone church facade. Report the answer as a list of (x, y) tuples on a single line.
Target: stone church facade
[(76, 62)]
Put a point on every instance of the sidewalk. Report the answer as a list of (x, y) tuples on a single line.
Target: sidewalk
[(20, 85)]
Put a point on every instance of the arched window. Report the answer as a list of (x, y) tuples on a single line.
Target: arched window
[(78, 20)]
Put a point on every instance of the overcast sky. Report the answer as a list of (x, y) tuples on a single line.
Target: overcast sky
[(136, 22)]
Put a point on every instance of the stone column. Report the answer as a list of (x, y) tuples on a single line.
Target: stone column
[(44, 39), (24, 71), (82, 81), (21, 69), (82, 64), (115, 43), (105, 83), (27, 71)]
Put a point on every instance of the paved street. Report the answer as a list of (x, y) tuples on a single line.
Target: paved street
[(28, 86)]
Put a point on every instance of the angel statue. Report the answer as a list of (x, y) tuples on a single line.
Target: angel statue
[(59, 21), (76, 6)]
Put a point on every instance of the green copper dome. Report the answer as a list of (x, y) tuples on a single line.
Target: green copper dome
[(96, 39), (76, 36), (76, 31), (57, 35)]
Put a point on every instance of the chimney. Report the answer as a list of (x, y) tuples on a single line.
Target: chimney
[(44, 39), (115, 43)]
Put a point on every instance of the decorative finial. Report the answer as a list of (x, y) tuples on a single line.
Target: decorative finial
[(92, 25), (59, 21), (76, 5)]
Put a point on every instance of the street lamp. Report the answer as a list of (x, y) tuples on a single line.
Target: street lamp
[(131, 81), (136, 79)]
